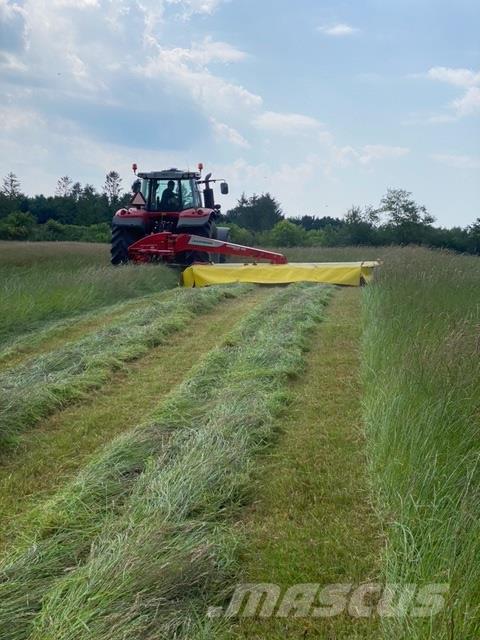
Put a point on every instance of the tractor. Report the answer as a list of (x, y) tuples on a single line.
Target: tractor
[(169, 202)]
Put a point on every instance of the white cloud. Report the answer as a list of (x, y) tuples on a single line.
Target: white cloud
[(9, 10), (223, 132), (200, 53), (186, 69), (76, 4), (371, 152), (457, 161), (346, 156), (441, 118), (15, 118), (469, 102), (197, 6), (11, 62), (338, 30), (286, 123), (457, 77)]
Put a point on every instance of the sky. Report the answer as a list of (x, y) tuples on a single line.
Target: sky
[(323, 103)]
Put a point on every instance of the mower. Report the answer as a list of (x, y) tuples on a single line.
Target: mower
[(170, 221)]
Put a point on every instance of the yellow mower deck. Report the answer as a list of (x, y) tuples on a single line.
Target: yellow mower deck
[(347, 273)]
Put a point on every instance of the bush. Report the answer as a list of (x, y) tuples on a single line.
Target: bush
[(240, 235), (56, 231), (287, 234), (17, 226)]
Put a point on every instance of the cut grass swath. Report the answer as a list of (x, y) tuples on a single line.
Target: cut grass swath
[(38, 387), (48, 457), (56, 333), (143, 565)]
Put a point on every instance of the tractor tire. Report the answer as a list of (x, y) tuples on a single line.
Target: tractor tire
[(121, 240), (223, 233), (208, 230)]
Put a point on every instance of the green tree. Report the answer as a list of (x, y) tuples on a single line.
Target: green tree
[(76, 190), (17, 226), (287, 234), (64, 187), (474, 236), (359, 225), (315, 238), (257, 213), (11, 186), (409, 221), (401, 209), (112, 187), (239, 235)]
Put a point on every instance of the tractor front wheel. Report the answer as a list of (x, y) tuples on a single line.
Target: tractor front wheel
[(208, 230)]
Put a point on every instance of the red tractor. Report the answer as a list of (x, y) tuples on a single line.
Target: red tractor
[(168, 221), (169, 201)]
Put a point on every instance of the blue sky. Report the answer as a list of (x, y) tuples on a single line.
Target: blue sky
[(323, 103)]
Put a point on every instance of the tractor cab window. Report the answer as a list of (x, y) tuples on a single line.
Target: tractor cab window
[(174, 195), (143, 188), (165, 195), (190, 195)]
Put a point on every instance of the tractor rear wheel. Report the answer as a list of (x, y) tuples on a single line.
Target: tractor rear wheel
[(121, 240)]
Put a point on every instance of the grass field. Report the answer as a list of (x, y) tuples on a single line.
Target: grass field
[(422, 410), (161, 446), (43, 282)]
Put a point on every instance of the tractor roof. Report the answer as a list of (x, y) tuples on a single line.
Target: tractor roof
[(170, 174)]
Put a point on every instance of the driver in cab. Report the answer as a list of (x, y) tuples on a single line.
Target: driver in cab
[(170, 200)]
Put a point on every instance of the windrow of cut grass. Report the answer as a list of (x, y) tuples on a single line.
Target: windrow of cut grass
[(41, 385), (138, 544), (422, 409), (54, 334), (53, 453), (48, 281)]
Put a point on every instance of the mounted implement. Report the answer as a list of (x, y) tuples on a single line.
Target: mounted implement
[(169, 221)]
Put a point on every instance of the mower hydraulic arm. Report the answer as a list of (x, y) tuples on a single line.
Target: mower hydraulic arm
[(167, 245)]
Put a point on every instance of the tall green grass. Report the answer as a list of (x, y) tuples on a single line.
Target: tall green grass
[(35, 389), (47, 281), (333, 254), (142, 541), (422, 408)]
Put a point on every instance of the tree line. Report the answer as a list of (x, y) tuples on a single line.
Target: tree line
[(82, 213), (74, 212), (397, 219)]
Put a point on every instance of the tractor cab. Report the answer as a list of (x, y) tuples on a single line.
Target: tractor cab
[(174, 190), (168, 191)]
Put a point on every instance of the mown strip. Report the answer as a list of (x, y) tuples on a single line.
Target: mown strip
[(55, 334), (156, 502), (312, 522), (422, 408), (61, 445), (37, 388)]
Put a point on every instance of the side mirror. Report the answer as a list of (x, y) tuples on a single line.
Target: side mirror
[(217, 207), (224, 188), (136, 186)]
